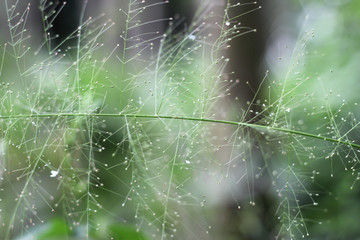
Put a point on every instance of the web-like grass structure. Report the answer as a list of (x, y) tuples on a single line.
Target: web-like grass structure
[(98, 140)]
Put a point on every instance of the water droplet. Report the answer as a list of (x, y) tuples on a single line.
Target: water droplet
[(192, 37), (54, 173)]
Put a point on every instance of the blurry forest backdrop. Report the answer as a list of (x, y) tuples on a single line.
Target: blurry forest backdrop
[(307, 49)]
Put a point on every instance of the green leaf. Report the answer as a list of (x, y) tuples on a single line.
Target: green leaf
[(56, 229), (124, 232)]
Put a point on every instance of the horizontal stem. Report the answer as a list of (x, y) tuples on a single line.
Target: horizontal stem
[(185, 119)]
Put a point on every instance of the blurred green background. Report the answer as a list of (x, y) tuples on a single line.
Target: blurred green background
[(311, 45)]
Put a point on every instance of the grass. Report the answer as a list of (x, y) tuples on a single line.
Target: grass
[(134, 138)]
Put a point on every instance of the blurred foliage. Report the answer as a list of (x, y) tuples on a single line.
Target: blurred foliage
[(324, 70), (320, 77)]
